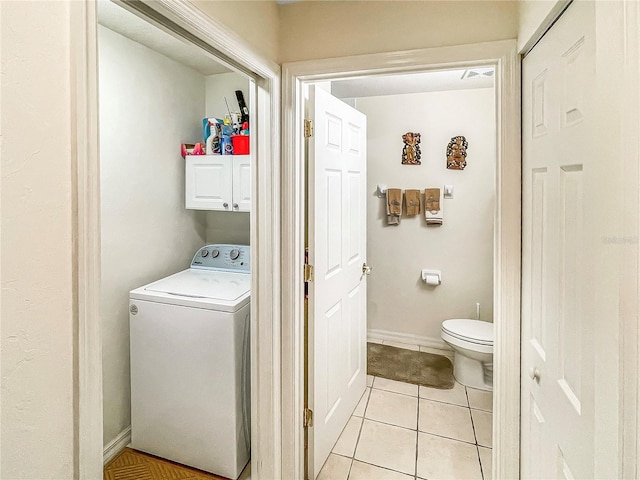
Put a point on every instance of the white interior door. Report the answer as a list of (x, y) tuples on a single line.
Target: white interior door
[(337, 249), (565, 198)]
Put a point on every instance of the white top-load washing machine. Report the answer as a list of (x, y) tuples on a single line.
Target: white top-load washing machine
[(190, 398)]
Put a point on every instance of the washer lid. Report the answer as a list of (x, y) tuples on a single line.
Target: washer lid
[(204, 284), (475, 331)]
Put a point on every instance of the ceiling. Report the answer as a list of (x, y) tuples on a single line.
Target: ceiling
[(434, 81), (120, 20)]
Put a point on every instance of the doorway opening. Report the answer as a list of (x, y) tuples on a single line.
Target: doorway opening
[(500, 57), (156, 86), (163, 213), (392, 304)]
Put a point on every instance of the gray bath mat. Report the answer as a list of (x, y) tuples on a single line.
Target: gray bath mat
[(419, 368)]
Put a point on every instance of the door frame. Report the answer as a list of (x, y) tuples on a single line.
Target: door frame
[(507, 238), (265, 232), (628, 27)]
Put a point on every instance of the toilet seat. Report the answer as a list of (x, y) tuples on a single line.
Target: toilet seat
[(471, 331)]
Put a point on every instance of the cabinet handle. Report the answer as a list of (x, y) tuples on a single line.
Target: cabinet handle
[(225, 205), (235, 205)]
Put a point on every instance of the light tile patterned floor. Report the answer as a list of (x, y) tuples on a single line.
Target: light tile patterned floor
[(401, 432)]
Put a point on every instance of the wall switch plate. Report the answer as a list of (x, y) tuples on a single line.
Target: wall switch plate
[(448, 191)]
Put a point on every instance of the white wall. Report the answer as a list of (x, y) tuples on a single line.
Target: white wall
[(224, 86), (37, 303), (37, 277), (149, 105), (226, 227), (255, 21), (398, 301), (325, 29), (38, 297)]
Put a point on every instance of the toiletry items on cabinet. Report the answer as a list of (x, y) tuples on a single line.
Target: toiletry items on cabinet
[(218, 182)]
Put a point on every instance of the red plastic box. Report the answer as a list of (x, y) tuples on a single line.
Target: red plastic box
[(240, 144)]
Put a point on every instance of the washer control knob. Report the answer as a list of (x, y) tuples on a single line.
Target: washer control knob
[(235, 253), (204, 252), (214, 253)]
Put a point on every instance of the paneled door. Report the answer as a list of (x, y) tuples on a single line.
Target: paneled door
[(337, 250), (560, 191)]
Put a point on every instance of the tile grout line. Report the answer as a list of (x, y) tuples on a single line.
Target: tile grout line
[(448, 438), (417, 396), (389, 424), (480, 461), (473, 425), (331, 452), (481, 411), (355, 448), (440, 401), (474, 434), (415, 470), (417, 430), (377, 466), (397, 393), (446, 403), (353, 458)]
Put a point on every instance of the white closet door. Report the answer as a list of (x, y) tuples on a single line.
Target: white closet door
[(567, 207)]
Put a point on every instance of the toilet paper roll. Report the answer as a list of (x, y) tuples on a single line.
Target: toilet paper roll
[(432, 279)]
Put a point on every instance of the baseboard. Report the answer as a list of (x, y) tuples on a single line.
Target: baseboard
[(381, 335), (115, 446)]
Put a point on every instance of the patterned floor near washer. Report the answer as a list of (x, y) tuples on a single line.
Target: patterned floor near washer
[(133, 465)]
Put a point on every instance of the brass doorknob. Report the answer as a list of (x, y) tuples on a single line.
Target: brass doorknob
[(366, 269)]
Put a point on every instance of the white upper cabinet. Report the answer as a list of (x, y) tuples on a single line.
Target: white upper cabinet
[(218, 182)]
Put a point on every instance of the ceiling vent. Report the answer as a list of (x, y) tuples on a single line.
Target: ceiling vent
[(486, 72)]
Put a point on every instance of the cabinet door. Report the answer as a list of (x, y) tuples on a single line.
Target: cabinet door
[(208, 182), (241, 183)]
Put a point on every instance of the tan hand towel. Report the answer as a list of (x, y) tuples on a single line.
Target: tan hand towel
[(394, 206), (433, 206), (394, 199), (432, 200), (412, 202)]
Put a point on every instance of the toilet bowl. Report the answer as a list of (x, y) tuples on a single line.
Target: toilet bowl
[(472, 343)]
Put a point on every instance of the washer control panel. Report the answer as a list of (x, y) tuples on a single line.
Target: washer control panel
[(232, 258)]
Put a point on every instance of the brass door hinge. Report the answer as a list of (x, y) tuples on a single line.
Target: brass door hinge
[(308, 418), (308, 128), (308, 273)]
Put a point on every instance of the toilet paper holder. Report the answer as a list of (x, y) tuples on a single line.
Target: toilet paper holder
[(431, 277)]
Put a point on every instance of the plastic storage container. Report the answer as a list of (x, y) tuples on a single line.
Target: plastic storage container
[(240, 144)]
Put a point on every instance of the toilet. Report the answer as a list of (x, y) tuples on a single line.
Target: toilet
[(472, 342)]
